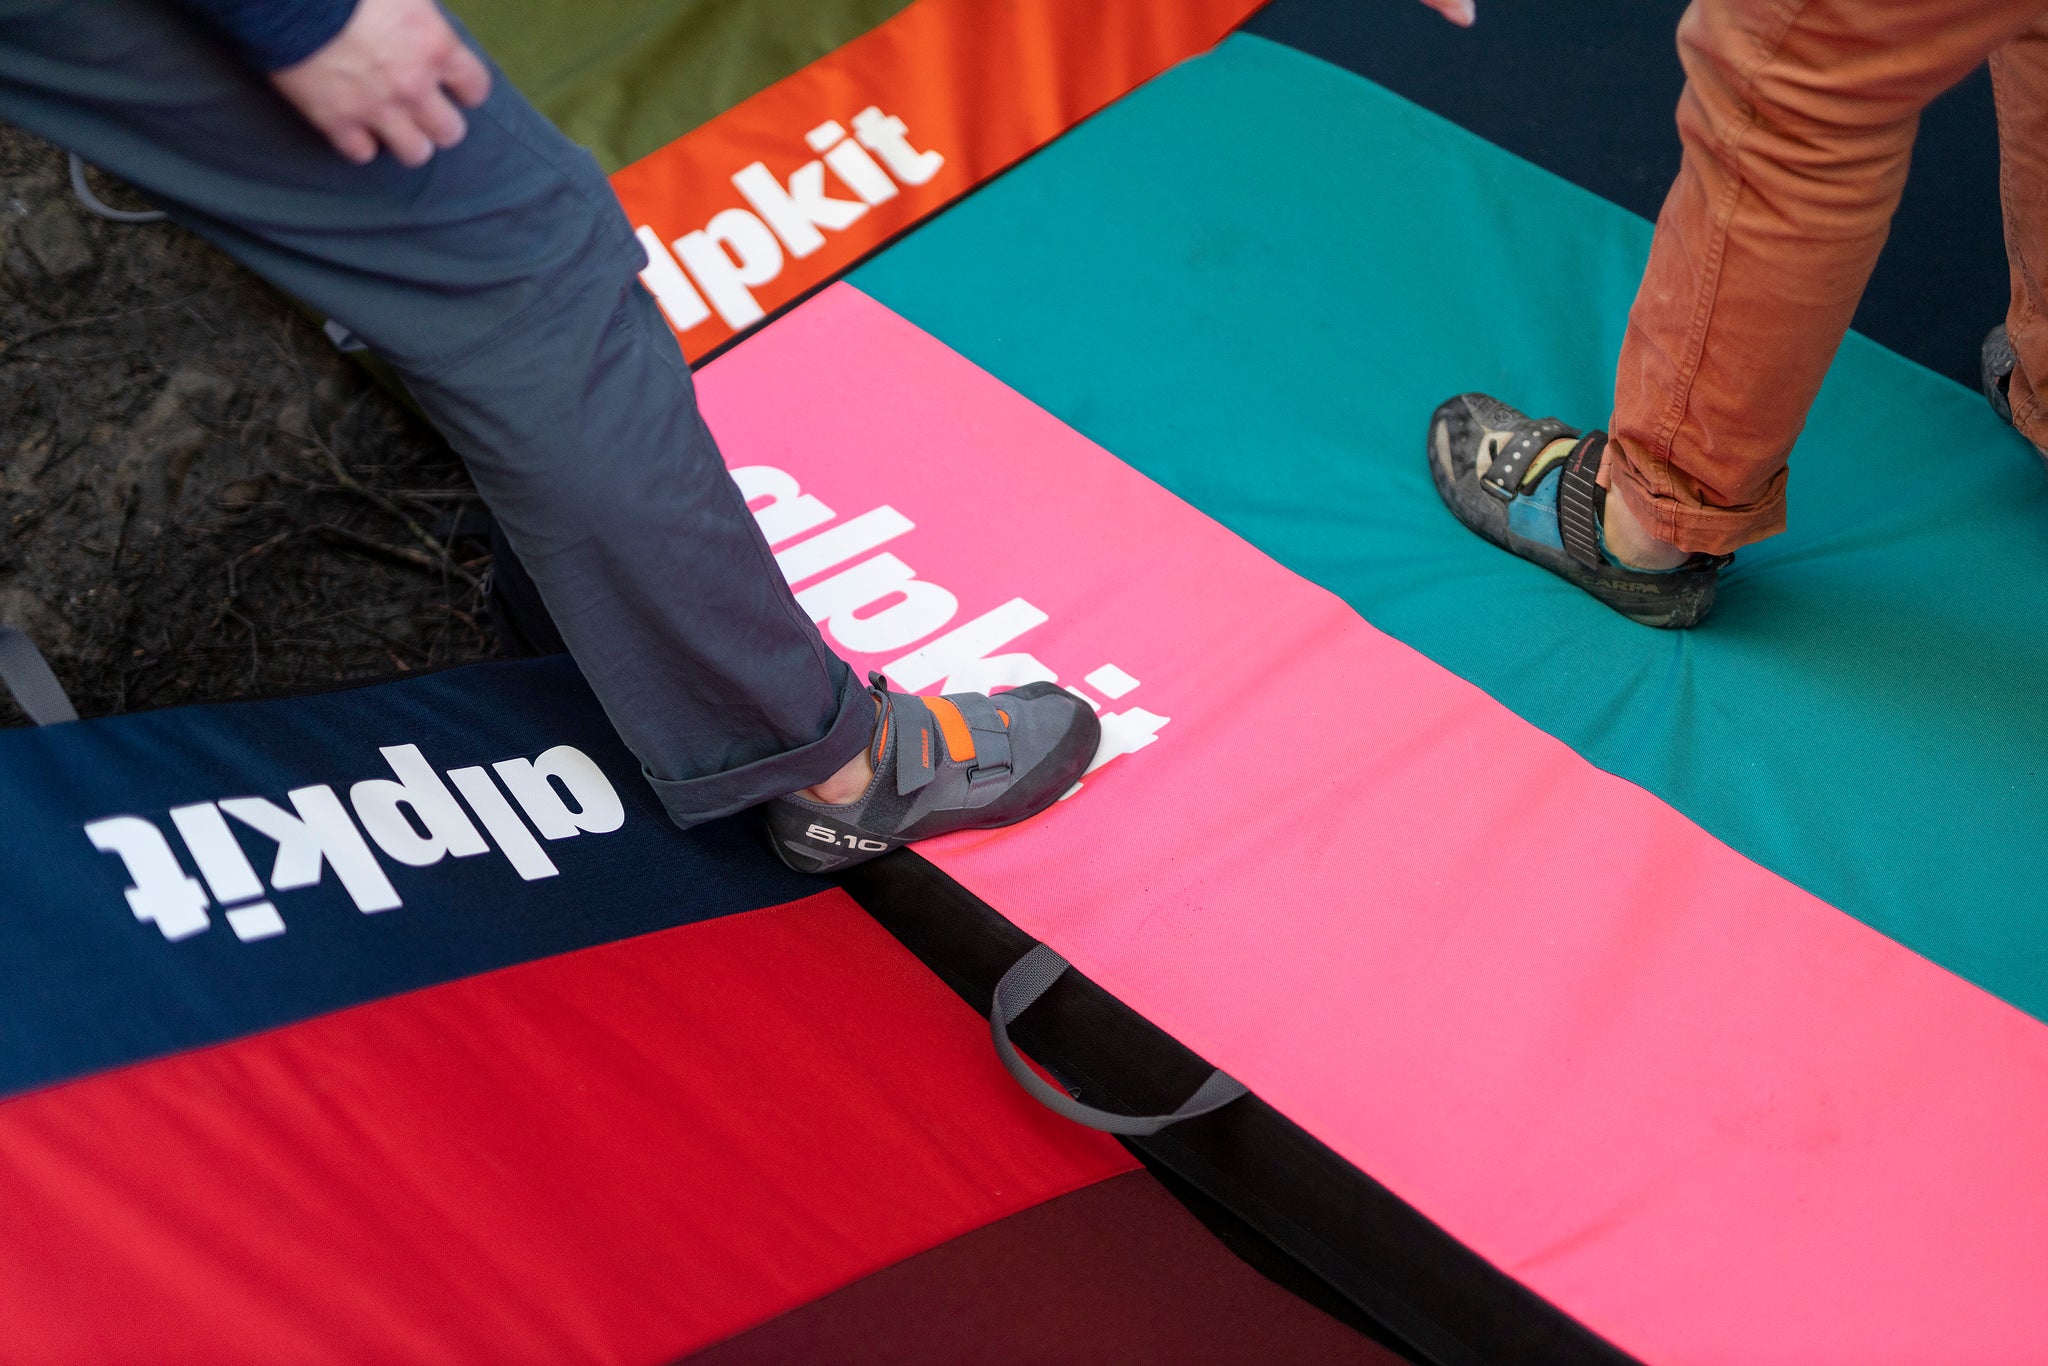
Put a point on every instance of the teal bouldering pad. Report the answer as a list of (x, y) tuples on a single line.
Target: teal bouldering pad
[(1254, 278)]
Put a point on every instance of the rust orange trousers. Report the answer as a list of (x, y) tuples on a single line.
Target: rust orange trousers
[(1798, 121)]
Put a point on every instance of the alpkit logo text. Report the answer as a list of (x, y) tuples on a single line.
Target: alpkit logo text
[(875, 604), (411, 818), (866, 599), (740, 250)]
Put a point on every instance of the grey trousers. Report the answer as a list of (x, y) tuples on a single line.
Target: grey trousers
[(500, 282)]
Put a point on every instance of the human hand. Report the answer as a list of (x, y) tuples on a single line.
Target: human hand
[(393, 76), (1459, 12)]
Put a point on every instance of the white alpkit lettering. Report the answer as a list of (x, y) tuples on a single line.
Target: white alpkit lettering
[(879, 605), (731, 254), (1126, 732), (226, 870), (320, 834), (159, 890), (665, 280), (869, 531), (997, 672), (1111, 681), (919, 608), (520, 848), (413, 817), (257, 921), (852, 164), (960, 659), (740, 250), (797, 211), (214, 848), (788, 512), (381, 806), (886, 136), (597, 807)]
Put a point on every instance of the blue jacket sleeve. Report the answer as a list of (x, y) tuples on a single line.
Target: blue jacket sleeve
[(276, 33)]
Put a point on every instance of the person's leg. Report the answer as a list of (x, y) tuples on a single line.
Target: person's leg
[(1798, 121), (500, 281), (2019, 81)]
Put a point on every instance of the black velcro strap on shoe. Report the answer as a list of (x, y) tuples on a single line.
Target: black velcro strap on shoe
[(1503, 478), (1579, 500)]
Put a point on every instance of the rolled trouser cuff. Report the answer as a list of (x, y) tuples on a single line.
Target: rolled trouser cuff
[(1671, 509), (2029, 418), (692, 801), (2033, 425)]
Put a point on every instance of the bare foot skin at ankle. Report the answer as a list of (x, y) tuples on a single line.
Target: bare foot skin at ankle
[(846, 785), (1632, 544)]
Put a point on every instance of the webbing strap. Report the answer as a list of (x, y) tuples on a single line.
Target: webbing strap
[(27, 676), (1026, 981), (83, 190), (1503, 477)]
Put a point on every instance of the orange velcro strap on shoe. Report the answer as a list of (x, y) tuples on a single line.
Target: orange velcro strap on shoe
[(952, 725)]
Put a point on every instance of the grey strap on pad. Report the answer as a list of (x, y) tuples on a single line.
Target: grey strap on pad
[(27, 675), (1026, 981)]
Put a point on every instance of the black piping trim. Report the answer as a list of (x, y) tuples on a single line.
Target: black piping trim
[(1444, 1303)]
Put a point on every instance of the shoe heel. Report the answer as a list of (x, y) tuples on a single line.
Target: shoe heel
[(811, 842)]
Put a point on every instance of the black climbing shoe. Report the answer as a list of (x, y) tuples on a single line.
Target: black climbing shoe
[(966, 761), (1486, 461)]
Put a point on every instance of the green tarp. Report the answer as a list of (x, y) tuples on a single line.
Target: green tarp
[(627, 77)]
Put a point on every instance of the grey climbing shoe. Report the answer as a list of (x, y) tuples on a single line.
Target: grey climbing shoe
[(1488, 464), (1995, 361), (966, 761)]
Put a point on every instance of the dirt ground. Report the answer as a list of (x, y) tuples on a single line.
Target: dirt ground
[(200, 498)]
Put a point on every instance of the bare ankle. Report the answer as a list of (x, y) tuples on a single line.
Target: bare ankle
[(1631, 543), (846, 785)]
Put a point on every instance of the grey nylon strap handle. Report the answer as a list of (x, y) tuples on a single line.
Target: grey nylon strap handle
[(94, 204), (27, 675), (1024, 983)]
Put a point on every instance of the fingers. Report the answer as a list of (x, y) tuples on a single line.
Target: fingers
[(428, 118), (397, 76), (355, 142), (466, 77), (413, 129), (1460, 12), (403, 137), (439, 120)]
